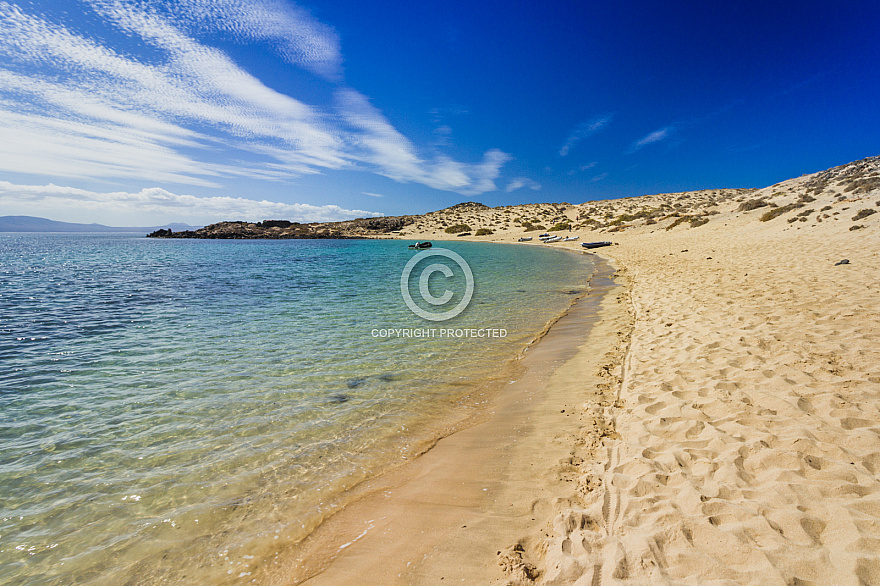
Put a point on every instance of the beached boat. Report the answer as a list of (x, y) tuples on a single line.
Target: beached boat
[(544, 235), (596, 244), (420, 245), (570, 238), (553, 239), (525, 239)]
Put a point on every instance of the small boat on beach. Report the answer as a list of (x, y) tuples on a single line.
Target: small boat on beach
[(570, 239), (596, 244), (420, 245), (525, 239), (552, 239), (544, 235)]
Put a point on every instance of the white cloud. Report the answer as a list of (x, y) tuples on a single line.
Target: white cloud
[(156, 206), (520, 182), (583, 167), (298, 37), (377, 143), (442, 135), (584, 130), (599, 177), (655, 136), (110, 108), (74, 106), (372, 194)]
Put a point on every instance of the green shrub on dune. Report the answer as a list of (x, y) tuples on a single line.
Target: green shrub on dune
[(779, 211)]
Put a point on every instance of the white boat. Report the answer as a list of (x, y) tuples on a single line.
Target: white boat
[(553, 239), (525, 239), (570, 238)]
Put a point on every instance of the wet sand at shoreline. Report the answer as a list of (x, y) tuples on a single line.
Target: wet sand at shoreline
[(449, 514)]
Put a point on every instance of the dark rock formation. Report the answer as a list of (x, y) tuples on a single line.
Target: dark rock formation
[(466, 207), (284, 229)]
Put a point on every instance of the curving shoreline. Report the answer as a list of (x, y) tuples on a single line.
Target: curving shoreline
[(452, 502), (727, 429)]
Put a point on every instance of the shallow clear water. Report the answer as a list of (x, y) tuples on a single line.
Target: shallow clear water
[(173, 409)]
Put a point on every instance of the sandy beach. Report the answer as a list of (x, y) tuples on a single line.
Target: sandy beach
[(709, 415)]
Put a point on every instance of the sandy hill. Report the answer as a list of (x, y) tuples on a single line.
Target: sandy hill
[(843, 194)]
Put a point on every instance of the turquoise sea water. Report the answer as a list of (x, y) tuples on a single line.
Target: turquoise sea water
[(183, 410)]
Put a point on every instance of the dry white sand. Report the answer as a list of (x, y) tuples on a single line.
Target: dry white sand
[(721, 425), (749, 449)]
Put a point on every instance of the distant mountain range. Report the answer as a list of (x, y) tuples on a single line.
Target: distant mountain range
[(32, 224)]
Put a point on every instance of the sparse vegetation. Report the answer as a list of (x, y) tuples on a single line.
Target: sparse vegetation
[(694, 221), (560, 226), (862, 185), (752, 204), (863, 214), (458, 228), (779, 211), (484, 232)]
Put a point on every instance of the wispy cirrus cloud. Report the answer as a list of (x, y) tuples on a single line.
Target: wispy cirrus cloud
[(584, 130), (584, 167), (155, 205), (377, 143), (520, 182), (297, 36), (651, 138), (73, 105)]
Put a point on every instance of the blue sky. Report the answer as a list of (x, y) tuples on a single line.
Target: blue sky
[(137, 112)]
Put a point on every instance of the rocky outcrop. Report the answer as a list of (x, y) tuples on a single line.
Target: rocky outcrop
[(284, 229)]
